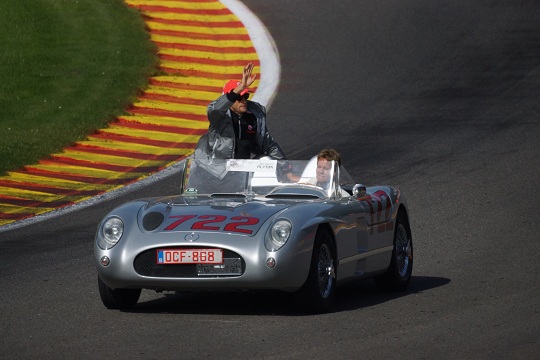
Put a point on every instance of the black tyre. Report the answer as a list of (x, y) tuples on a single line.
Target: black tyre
[(118, 298), (317, 294), (399, 273)]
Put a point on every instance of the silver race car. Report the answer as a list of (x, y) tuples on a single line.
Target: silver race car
[(256, 224)]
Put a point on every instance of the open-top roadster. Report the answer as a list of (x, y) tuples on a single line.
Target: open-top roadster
[(256, 224)]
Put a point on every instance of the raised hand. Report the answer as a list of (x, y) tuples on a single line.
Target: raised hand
[(248, 77)]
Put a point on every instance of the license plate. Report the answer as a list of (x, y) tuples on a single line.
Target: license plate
[(190, 256)]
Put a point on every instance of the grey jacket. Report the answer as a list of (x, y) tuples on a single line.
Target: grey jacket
[(219, 141)]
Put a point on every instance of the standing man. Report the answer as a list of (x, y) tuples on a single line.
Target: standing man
[(237, 128)]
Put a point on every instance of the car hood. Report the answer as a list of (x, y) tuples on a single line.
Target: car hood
[(206, 213)]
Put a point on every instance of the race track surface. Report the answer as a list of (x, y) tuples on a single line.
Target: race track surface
[(440, 98)]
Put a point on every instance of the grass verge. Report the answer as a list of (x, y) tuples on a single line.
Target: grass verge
[(67, 67)]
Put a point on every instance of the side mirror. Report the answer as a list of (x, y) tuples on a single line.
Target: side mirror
[(359, 190)]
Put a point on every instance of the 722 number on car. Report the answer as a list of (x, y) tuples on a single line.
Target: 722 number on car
[(239, 224)]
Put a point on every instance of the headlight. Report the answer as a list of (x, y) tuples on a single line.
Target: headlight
[(278, 235), (110, 233)]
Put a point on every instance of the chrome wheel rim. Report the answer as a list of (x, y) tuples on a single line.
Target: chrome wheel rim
[(326, 271), (403, 251)]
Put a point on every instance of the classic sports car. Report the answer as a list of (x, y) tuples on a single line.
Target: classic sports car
[(256, 224)]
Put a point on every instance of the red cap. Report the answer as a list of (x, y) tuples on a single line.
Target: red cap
[(231, 84)]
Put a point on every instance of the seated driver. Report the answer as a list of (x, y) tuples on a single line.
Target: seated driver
[(324, 169)]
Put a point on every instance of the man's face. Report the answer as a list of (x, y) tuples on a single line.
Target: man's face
[(324, 167), (240, 106)]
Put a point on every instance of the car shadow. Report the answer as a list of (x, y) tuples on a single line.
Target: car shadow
[(349, 297)]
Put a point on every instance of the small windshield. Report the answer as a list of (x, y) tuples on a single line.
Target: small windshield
[(274, 178)]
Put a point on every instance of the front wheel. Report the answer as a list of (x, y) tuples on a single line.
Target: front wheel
[(399, 272), (118, 298), (317, 294)]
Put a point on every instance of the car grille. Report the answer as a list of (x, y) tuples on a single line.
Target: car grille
[(145, 264)]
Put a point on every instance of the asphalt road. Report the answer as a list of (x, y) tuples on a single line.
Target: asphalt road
[(441, 98)]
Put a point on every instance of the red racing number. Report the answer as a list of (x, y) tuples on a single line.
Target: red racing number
[(238, 224), (202, 225), (181, 219), (234, 226)]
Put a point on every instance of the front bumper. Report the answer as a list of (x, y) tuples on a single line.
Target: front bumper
[(133, 264)]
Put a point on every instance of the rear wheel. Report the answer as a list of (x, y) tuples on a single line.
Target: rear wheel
[(399, 273), (317, 294), (118, 298)]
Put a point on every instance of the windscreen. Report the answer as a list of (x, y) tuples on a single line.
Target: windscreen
[(261, 177)]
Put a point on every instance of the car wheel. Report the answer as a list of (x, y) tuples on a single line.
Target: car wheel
[(118, 298), (399, 273), (317, 294)]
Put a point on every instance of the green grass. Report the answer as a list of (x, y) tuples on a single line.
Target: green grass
[(67, 67)]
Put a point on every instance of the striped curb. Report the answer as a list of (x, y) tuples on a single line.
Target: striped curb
[(201, 43)]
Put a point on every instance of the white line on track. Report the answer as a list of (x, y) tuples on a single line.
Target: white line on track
[(270, 66), (266, 50)]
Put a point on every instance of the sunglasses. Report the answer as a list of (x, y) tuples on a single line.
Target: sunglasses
[(244, 97)]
